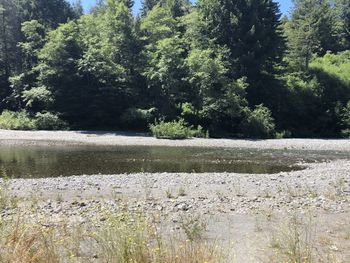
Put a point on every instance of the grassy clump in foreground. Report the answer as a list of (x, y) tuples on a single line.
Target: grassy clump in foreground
[(122, 238), (176, 130)]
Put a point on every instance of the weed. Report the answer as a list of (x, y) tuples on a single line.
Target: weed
[(339, 186), (33, 199), (294, 241), (238, 189), (59, 198), (221, 196), (193, 226), (347, 235), (123, 237), (147, 185), (267, 194), (181, 192), (169, 194)]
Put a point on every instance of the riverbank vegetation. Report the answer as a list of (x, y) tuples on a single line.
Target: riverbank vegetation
[(235, 68), (176, 130), (23, 121)]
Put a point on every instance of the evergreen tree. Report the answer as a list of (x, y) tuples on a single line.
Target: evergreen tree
[(49, 13), (310, 31), (218, 101), (342, 13), (10, 56), (78, 8), (177, 8), (147, 5), (250, 29)]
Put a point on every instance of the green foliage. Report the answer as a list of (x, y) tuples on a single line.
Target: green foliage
[(23, 121), (309, 31), (249, 29), (138, 118), (164, 54), (16, 121), (49, 121), (193, 226), (334, 65), (37, 95), (342, 25), (175, 130), (207, 64), (34, 33), (259, 123), (283, 134), (345, 120)]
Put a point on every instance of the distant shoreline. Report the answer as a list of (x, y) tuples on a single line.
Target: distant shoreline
[(109, 138)]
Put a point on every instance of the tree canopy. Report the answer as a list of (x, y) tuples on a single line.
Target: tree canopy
[(234, 67)]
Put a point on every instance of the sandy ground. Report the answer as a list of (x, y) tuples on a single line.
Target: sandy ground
[(244, 211)]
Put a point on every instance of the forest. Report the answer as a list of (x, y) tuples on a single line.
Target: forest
[(223, 68)]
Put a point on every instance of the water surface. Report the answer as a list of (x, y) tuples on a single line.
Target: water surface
[(53, 161)]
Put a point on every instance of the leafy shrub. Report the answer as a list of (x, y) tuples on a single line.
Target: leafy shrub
[(138, 118), (175, 130), (23, 121), (38, 95), (283, 134), (193, 226), (16, 121), (345, 121), (49, 121), (259, 123), (336, 65)]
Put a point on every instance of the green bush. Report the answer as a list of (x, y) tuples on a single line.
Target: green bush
[(16, 121), (259, 123), (10, 120), (138, 118), (175, 130), (283, 134), (345, 121), (49, 121)]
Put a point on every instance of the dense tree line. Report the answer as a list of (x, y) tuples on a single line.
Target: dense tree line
[(234, 67)]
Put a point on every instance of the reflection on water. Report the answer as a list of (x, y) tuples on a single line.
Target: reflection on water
[(53, 161)]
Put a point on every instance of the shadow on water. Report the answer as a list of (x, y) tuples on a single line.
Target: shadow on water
[(54, 161)]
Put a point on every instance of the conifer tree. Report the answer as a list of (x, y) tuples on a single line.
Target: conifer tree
[(310, 31)]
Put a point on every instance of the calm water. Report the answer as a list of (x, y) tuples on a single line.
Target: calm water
[(54, 161)]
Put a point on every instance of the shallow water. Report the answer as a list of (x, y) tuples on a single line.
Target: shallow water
[(53, 161)]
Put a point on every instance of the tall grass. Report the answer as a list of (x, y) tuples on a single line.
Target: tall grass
[(294, 241), (122, 238)]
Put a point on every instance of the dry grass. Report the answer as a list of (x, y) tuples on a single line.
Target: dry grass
[(22, 243), (297, 241), (122, 238), (293, 241)]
